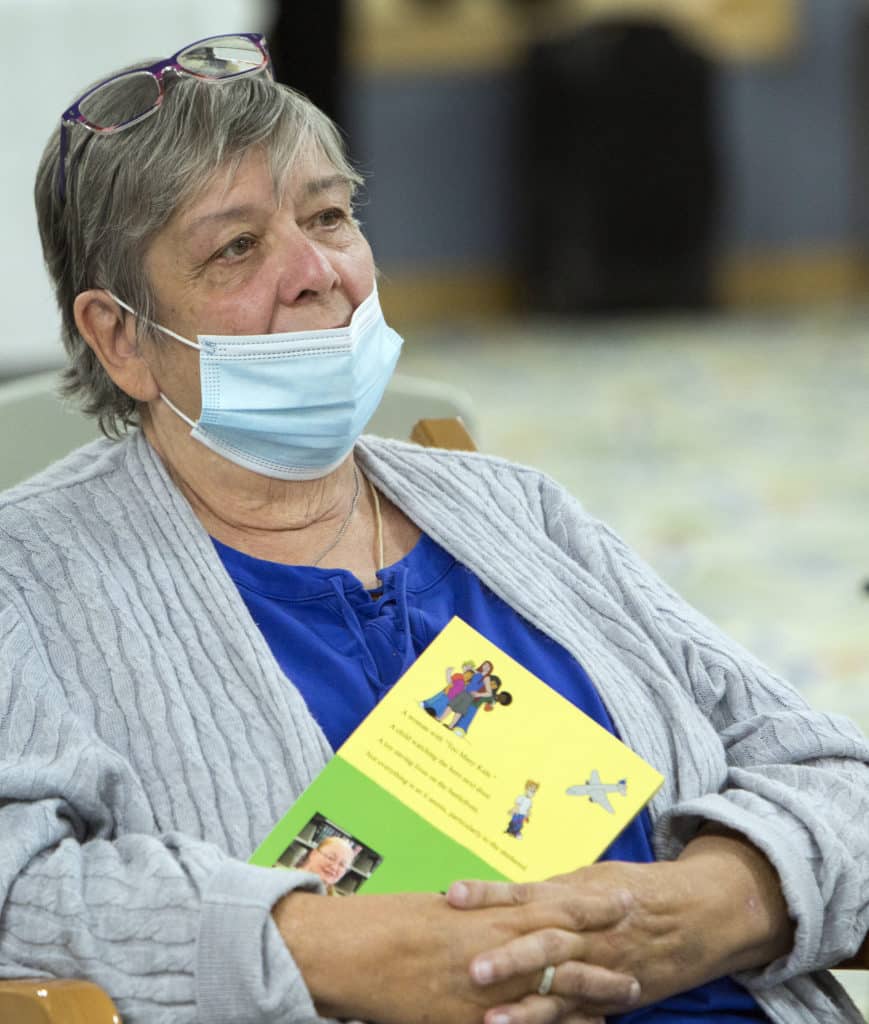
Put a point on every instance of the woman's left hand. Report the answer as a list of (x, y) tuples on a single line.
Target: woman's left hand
[(716, 910)]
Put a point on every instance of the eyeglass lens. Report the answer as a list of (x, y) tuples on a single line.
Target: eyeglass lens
[(220, 57), (120, 100)]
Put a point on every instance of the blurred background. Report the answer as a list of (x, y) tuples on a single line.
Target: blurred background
[(630, 234)]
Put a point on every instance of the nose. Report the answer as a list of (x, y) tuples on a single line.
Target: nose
[(307, 269)]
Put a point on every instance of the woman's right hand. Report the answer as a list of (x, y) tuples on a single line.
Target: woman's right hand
[(404, 959)]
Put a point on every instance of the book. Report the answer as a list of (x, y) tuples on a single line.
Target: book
[(470, 767)]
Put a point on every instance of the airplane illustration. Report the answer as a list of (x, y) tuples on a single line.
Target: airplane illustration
[(597, 791)]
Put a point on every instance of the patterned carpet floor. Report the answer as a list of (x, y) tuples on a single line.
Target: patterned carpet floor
[(731, 452)]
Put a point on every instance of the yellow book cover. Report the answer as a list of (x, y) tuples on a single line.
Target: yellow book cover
[(470, 767)]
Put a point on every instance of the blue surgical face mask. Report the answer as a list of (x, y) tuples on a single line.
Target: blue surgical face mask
[(291, 405)]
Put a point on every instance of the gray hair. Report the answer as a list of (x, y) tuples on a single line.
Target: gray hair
[(122, 188)]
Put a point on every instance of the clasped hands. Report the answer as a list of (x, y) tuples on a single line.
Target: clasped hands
[(611, 946), (622, 935), (618, 935)]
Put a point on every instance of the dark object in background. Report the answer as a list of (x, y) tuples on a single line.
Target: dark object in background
[(306, 44), (620, 176)]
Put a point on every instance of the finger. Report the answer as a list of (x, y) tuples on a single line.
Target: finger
[(540, 1010), (526, 954), (580, 996), (532, 1009), (586, 910), (473, 895), (595, 987), (504, 1014)]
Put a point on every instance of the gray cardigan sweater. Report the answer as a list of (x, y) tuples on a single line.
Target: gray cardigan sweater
[(149, 740)]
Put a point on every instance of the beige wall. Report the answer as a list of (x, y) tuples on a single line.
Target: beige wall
[(399, 35)]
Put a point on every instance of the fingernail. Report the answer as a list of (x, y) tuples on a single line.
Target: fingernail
[(482, 972), (499, 1018), (634, 993), (458, 892)]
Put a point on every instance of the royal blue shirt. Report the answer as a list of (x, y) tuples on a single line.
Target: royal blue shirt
[(344, 647)]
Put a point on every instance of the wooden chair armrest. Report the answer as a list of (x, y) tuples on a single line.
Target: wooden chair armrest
[(443, 433), (55, 1001)]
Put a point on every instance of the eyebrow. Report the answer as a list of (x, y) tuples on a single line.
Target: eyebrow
[(318, 185), (233, 213), (312, 188)]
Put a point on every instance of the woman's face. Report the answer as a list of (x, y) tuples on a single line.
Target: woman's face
[(241, 260), (331, 862)]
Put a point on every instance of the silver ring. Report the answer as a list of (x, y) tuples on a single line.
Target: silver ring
[(545, 986)]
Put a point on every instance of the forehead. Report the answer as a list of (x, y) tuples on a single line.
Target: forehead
[(251, 181), (334, 848)]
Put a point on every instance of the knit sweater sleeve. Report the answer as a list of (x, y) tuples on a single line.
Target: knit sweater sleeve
[(171, 926), (797, 781)]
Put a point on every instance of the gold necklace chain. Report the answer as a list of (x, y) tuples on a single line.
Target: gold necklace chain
[(346, 523), (378, 523)]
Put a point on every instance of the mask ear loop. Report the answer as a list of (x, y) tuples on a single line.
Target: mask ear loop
[(153, 323), (184, 341), (190, 423)]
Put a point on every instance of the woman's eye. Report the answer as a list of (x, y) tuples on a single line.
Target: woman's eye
[(330, 218), (237, 248)]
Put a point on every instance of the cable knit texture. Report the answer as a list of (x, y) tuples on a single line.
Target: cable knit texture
[(149, 740)]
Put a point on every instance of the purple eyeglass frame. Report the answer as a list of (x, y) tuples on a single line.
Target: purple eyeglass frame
[(73, 115)]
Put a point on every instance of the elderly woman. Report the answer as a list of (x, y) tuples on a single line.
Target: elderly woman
[(331, 859), (194, 615)]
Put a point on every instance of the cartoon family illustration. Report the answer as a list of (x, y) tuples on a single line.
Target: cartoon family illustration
[(466, 691)]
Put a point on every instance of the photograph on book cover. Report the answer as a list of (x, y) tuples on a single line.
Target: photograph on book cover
[(341, 861)]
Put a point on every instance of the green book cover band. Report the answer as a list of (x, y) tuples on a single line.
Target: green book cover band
[(411, 855)]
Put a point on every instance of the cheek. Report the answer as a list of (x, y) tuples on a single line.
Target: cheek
[(358, 273), (244, 310), (177, 373)]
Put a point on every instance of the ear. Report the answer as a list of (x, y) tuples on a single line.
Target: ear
[(110, 331)]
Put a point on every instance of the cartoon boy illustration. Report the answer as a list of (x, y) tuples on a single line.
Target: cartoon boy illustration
[(521, 811)]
